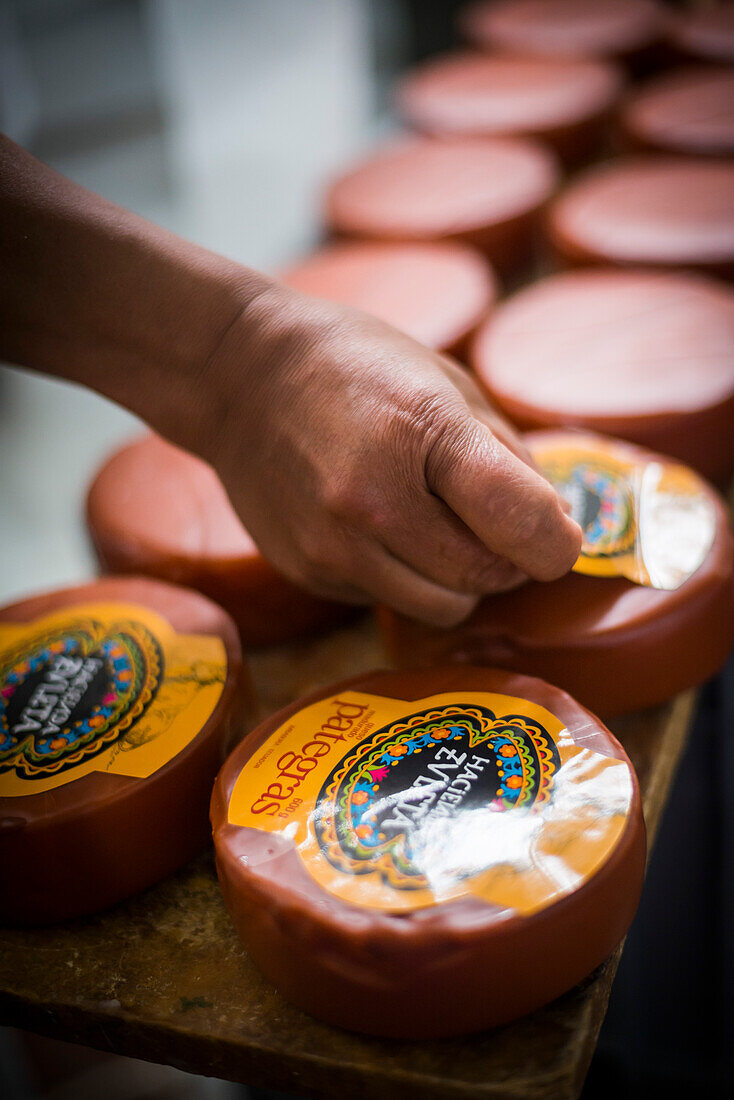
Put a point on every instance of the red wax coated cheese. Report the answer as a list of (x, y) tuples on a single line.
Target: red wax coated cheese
[(567, 103), (565, 28), (486, 192), (705, 32), (436, 293), (648, 357), (672, 211), (615, 644), (157, 510), (427, 853), (119, 700), (687, 111)]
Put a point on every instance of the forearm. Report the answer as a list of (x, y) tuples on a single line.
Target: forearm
[(92, 293), (361, 463)]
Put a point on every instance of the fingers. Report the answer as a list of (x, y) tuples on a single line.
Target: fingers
[(483, 411), (434, 542), (367, 572), (507, 504), (399, 586)]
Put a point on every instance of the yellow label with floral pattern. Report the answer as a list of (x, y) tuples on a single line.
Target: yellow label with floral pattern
[(648, 521), (398, 805), (100, 687)]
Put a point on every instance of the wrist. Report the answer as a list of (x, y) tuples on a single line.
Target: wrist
[(262, 357), (188, 397)]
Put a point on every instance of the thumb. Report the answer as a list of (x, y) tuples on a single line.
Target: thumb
[(508, 505)]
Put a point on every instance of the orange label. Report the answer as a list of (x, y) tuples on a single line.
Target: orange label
[(100, 687), (399, 805), (648, 521)]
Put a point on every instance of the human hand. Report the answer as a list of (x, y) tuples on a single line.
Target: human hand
[(369, 468), (363, 465)]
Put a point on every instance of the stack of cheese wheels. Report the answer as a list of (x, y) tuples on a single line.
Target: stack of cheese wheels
[(689, 110), (566, 103), (656, 210), (704, 32), (646, 356), (486, 192), (650, 612), (436, 293), (625, 29), (428, 853), (119, 700), (157, 510)]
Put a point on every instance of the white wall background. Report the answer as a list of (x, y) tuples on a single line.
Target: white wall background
[(219, 119)]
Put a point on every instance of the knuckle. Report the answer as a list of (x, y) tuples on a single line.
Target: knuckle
[(450, 442), (341, 508), (430, 412), (351, 501), (428, 408), (341, 495)]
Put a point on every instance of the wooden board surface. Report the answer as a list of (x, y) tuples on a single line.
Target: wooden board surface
[(163, 977)]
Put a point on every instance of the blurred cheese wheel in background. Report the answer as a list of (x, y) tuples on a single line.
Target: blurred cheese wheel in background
[(566, 103), (436, 293), (614, 644), (119, 701), (646, 356), (455, 848), (705, 32), (565, 28), (659, 211), (686, 111), (487, 192), (157, 510)]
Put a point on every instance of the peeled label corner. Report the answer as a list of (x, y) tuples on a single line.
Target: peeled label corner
[(651, 522)]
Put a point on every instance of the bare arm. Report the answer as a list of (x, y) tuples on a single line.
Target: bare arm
[(364, 465)]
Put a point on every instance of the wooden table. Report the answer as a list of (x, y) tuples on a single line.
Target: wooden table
[(164, 978)]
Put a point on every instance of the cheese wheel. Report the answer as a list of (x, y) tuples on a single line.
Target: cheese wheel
[(422, 854), (118, 702), (646, 356), (672, 211), (436, 293), (705, 32), (686, 111), (566, 103), (565, 28), (616, 645), (488, 192), (155, 509)]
